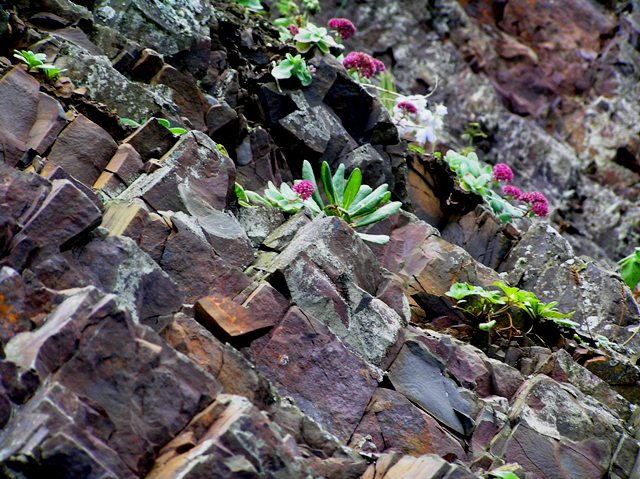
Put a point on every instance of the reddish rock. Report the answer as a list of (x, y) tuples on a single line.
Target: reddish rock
[(196, 268), (233, 371), (231, 438), (226, 235), (54, 172), (49, 122), (305, 360), (192, 171), (65, 214), (83, 149), (126, 164), (228, 319), (149, 64), (19, 99), (13, 317), (133, 219), (144, 391), (428, 466), (151, 140), (57, 432), (186, 95), (561, 367), (396, 424), (419, 375)]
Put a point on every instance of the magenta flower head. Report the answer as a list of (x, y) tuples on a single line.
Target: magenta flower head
[(513, 191), (363, 63), (407, 107), (540, 209), (502, 172), (378, 66), (344, 27), (538, 203), (304, 189), (293, 30)]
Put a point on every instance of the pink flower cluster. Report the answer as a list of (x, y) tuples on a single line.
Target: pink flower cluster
[(304, 189), (293, 30), (538, 203), (502, 172), (512, 191), (407, 107), (363, 63), (344, 27)]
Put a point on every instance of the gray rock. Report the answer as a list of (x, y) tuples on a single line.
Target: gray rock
[(543, 262), (419, 375)]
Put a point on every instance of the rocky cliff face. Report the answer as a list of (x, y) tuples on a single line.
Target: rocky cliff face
[(151, 328)]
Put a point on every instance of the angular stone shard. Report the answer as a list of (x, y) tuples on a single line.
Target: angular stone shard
[(48, 124), (83, 149), (231, 438), (305, 360), (419, 375), (19, 99), (396, 424), (143, 391), (192, 168)]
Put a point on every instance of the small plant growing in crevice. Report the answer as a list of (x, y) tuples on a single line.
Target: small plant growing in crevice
[(359, 205), (135, 124), (497, 309), (252, 5), (36, 62), (482, 179), (310, 36), (630, 270), (293, 66)]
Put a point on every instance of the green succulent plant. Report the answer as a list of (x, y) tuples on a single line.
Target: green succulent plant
[(359, 205), (489, 305), (310, 35), (175, 130), (630, 268), (253, 5), (36, 61), (478, 178), (293, 66)]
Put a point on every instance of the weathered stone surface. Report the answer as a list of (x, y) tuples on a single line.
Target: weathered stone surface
[(12, 304), (233, 371), (49, 122), (364, 322), (428, 466), (118, 266), (470, 367), (226, 235), (151, 140), (146, 67), (83, 149), (228, 319), (230, 438), (305, 360), (192, 168), (396, 424), (419, 375), (186, 95), (280, 237), (561, 367), (482, 236), (332, 245), (259, 222), (53, 434), (126, 164), (18, 112), (542, 260), (144, 391), (375, 169), (208, 274), (559, 432)]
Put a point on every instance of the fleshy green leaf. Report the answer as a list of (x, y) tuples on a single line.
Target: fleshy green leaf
[(377, 239), (352, 188), (378, 215), (164, 122), (327, 183), (338, 183), (487, 326), (307, 174), (368, 202)]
